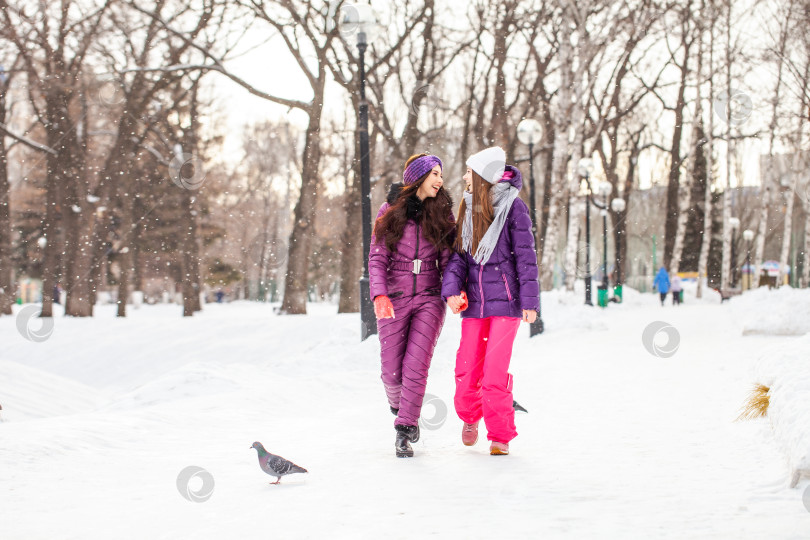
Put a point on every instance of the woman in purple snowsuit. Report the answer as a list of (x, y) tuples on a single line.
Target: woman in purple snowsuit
[(410, 249)]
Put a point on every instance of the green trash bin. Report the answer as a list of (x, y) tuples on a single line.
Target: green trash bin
[(602, 296), (617, 294)]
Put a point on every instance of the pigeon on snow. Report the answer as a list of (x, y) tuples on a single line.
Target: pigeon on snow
[(275, 465)]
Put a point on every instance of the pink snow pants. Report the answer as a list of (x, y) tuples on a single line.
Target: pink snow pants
[(483, 381)]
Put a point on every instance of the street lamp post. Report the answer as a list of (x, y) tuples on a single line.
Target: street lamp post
[(361, 18), (604, 190), (618, 205), (584, 169), (529, 131), (748, 235), (735, 224)]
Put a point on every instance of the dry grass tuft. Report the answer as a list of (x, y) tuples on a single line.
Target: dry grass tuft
[(756, 406)]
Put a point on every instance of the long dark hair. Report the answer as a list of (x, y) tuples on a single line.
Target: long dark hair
[(482, 215), (436, 216)]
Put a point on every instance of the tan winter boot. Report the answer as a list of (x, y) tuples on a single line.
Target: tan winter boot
[(498, 449), (469, 434)]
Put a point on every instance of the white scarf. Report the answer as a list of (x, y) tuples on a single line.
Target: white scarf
[(503, 195)]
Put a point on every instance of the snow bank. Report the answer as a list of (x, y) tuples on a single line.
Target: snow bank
[(786, 372), (27, 393), (777, 312)]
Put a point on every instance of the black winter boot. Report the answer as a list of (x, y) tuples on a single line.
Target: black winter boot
[(405, 435)]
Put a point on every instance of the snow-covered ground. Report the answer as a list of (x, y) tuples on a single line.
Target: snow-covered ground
[(625, 438)]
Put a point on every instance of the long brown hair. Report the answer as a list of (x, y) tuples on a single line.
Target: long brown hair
[(437, 223), (482, 213)]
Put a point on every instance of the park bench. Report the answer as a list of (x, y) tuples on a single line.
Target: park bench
[(725, 294)]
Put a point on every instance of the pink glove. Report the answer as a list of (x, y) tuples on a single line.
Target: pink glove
[(383, 308)]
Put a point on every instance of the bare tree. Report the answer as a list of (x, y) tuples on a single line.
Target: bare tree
[(6, 285), (576, 83), (140, 83), (54, 49), (783, 18)]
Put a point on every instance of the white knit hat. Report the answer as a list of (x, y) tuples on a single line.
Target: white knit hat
[(489, 163)]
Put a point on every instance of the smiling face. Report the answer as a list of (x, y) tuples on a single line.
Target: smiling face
[(430, 187), (468, 180)]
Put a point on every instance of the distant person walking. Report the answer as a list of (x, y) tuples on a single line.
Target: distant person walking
[(661, 283), (676, 290)]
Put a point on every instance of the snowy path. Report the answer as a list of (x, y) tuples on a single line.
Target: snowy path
[(618, 443)]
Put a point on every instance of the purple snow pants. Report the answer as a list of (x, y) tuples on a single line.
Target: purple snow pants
[(406, 343)]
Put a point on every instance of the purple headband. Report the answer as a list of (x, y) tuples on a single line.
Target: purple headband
[(419, 168)]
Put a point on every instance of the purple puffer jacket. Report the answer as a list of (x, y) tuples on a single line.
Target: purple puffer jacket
[(392, 273), (507, 284)]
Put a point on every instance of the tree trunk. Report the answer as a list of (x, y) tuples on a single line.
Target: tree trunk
[(684, 202), (576, 207), (788, 229), (725, 268), (695, 162), (190, 256), (351, 261), (705, 246), (672, 222), (303, 229), (767, 176), (806, 252), (727, 231), (542, 224), (703, 261), (559, 189), (7, 289), (124, 254), (498, 133), (58, 166), (558, 198), (78, 227), (79, 302), (620, 218)]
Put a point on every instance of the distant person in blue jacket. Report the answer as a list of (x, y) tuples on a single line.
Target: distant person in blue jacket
[(661, 283)]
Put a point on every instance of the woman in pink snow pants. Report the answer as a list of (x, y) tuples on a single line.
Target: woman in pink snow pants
[(412, 244), (492, 280)]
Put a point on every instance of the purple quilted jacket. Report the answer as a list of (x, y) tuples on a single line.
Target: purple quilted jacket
[(395, 274), (507, 284)]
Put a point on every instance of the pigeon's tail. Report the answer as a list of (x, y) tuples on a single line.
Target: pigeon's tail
[(518, 407), (296, 469)]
